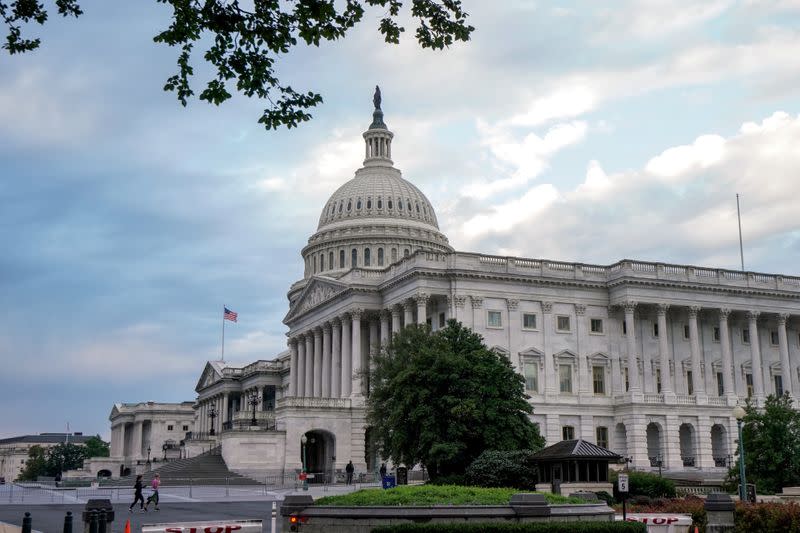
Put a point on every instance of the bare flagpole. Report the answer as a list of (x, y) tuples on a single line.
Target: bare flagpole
[(739, 217), (222, 358)]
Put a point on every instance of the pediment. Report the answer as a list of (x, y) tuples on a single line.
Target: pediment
[(208, 377), (499, 350), (565, 354), (531, 352), (317, 292), (599, 358)]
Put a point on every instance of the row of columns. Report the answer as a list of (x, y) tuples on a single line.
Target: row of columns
[(327, 361)]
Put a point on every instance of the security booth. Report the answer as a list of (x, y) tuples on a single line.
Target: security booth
[(574, 466)]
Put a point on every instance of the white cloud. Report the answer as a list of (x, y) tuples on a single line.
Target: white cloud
[(706, 150), (564, 102)]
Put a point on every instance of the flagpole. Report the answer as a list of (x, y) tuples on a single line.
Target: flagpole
[(739, 217), (223, 334)]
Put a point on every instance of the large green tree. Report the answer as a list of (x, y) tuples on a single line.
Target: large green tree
[(771, 445), (246, 39), (34, 465), (441, 398), (63, 457), (96, 447)]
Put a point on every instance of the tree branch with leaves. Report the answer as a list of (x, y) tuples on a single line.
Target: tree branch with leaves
[(247, 41)]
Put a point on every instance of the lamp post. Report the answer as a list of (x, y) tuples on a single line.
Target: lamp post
[(739, 414), (253, 400), (212, 414), (303, 441), (660, 461), (148, 454)]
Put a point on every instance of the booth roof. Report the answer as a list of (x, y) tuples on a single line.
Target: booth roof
[(575, 449)]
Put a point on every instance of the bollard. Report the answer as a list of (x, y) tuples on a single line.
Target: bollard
[(274, 517), (93, 522), (227, 491), (101, 526), (68, 522), (27, 523)]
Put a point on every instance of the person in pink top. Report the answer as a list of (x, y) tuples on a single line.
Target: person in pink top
[(154, 497)]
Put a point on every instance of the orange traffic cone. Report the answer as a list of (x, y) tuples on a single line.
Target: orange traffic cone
[(128, 526)]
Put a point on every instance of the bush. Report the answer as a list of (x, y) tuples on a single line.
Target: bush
[(534, 527), (646, 484), (495, 468), (768, 517), (452, 479), (432, 495)]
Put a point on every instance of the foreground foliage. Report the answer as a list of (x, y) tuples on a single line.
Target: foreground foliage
[(442, 398), (245, 40), (771, 447), (535, 527), (432, 495), (493, 468)]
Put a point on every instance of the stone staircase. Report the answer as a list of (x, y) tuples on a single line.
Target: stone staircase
[(206, 469)]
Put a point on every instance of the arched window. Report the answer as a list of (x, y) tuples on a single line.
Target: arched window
[(367, 258), (380, 257), (315, 264), (330, 260), (369, 203), (394, 255), (341, 258), (354, 258), (349, 205), (425, 210), (390, 203), (341, 203), (417, 208), (322, 262), (406, 252), (358, 204), (400, 204), (380, 203)]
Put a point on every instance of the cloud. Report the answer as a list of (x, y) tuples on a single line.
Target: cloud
[(706, 151)]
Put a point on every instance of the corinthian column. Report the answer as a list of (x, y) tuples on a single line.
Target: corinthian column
[(395, 319), (422, 308), (309, 364), (336, 355), (755, 353), (633, 366), (408, 318), (293, 367), (783, 347), (384, 328), (326, 360), (663, 350), (698, 383), (347, 357), (355, 355), (301, 365), (727, 358)]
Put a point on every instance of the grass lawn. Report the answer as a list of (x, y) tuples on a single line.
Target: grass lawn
[(432, 495)]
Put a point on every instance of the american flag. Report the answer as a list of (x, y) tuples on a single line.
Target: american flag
[(230, 315)]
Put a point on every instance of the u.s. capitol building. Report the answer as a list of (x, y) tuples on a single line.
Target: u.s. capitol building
[(645, 358)]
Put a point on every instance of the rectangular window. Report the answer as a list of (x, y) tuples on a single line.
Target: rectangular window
[(624, 328), (748, 379), (599, 379), (686, 332), (627, 382), (562, 323), (716, 334), (689, 383), (596, 325), (186, 428), (773, 338), (169, 428), (531, 371), (441, 320), (745, 336), (494, 319), (778, 385), (720, 385), (658, 380), (602, 436), (528, 321), (655, 329), (567, 433), (565, 378)]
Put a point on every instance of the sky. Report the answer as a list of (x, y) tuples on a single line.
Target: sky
[(574, 131)]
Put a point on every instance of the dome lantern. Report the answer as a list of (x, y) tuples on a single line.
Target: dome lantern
[(378, 138)]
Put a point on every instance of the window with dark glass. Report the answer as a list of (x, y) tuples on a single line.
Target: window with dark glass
[(599, 379), (720, 385), (567, 433), (380, 256), (596, 325), (341, 258), (748, 379), (745, 336), (778, 385), (602, 436), (716, 334), (689, 383), (354, 258), (367, 257), (528, 321), (686, 332)]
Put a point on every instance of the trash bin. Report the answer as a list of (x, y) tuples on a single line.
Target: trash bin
[(389, 482), (98, 504), (402, 475)]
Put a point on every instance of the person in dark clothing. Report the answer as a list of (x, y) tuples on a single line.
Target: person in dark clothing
[(383, 470), (137, 494), (349, 469)]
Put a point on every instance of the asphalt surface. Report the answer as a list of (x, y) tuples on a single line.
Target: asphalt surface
[(49, 518)]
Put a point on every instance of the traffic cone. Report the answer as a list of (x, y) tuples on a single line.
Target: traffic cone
[(128, 526)]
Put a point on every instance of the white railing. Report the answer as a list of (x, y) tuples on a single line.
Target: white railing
[(302, 402), (654, 398), (685, 399), (717, 401)]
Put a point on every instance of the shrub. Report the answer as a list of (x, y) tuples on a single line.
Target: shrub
[(495, 468), (606, 497), (768, 517), (432, 495), (534, 527), (452, 479), (646, 484)]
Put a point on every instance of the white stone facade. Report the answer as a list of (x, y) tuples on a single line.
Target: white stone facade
[(645, 358), (14, 450)]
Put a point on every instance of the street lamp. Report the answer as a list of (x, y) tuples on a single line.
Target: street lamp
[(660, 461), (148, 454), (164, 448), (303, 441), (212, 414), (253, 401), (739, 413)]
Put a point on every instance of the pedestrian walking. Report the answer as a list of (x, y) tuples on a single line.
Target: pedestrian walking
[(154, 497), (349, 469), (383, 470), (137, 494)]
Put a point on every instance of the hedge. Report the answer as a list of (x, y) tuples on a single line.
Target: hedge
[(532, 527), (433, 495), (495, 468), (646, 484)]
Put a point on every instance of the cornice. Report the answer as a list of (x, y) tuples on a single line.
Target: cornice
[(687, 285)]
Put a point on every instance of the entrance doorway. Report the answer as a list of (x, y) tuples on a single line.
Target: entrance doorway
[(320, 455)]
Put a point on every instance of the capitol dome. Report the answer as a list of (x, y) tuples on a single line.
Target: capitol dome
[(376, 218)]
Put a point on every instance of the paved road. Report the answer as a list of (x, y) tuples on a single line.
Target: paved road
[(49, 518)]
